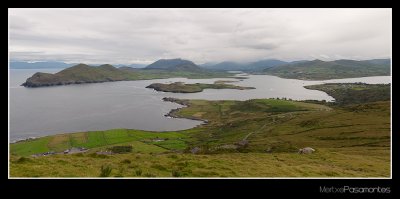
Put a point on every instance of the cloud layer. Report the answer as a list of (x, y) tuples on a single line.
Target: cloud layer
[(201, 35)]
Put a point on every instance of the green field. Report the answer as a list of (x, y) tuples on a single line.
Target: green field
[(350, 141), (99, 140)]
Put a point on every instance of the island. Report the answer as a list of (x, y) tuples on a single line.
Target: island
[(180, 87), (82, 73)]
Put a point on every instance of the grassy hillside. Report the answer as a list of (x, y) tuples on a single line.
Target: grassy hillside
[(258, 138), (326, 163), (77, 74), (90, 74), (179, 87), (174, 64), (354, 93), (322, 70)]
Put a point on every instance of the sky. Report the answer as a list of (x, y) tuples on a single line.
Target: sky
[(142, 36)]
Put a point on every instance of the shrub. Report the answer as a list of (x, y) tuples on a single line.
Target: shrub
[(159, 167), (105, 171), (173, 156), (176, 173), (138, 172), (23, 160), (121, 149), (78, 155), (308, 123), (149, 175), (95, 155), (126, 161)]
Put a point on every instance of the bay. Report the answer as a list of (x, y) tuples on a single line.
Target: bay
[(36, 112)]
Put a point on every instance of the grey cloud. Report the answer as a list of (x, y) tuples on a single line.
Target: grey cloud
[(202, 35), (261, 46)]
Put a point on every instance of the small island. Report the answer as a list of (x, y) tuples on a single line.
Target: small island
[(180, 87)]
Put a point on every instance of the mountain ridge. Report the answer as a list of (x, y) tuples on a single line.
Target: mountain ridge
[(174, 64), (337, 69)]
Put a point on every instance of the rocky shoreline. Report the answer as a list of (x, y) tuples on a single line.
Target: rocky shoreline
[(185, 103), (24, 139)]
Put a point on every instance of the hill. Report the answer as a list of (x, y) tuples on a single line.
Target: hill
[(322, 70), (227, 65), (354, 93), (83, 73), (263, 64), (174, 64), (78, 74)]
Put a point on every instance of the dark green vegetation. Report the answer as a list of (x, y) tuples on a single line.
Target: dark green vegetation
[(121, 149), (180, 87), (82, 73), (105, 171), (254, 138), (354, 93), (322, 70)]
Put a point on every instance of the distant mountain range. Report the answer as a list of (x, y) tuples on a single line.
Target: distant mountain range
[(131, 65), (55, 64), (35, 65), (321, 70), (250, 66), (166, 68)]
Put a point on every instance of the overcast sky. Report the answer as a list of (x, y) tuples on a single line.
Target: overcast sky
[(202, 35)]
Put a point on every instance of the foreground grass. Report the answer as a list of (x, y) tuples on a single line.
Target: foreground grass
[(357, 162)]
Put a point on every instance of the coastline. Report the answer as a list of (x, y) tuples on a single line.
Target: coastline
[(185, 104)]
